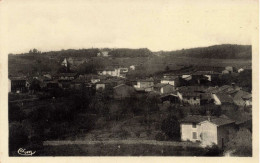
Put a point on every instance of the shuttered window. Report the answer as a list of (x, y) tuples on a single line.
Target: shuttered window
[(194, 135)]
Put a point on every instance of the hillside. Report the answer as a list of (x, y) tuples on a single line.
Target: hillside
[(225, 51)]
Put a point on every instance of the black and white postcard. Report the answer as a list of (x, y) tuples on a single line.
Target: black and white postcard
[(110, 80)]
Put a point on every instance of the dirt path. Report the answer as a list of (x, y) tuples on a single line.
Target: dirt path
[(127, 141)]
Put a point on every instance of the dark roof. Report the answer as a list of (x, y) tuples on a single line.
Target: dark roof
[(170, 78), (190, 94), (81, 80), (224, 98), (122, 85), (67, 74), (248, 96), (145, 80), (17, 78), (174, 93), (192, 89), (159, 85), (219, 121), (194, 119), (205, 73)]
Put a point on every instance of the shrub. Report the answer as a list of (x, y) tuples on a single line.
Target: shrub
[(18, 137), (160, 137), (171, 127), (213, 151)]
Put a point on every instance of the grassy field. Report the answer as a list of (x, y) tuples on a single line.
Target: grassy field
[(120, 150), (149, 65)]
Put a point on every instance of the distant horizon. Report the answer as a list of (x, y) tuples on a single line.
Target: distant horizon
[(129, 48)]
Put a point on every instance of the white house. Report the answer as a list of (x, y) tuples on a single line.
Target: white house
[(163, 88), (170, 80), (186, 77), (207, 130), (110, 71), (240, 70), (132, 67)]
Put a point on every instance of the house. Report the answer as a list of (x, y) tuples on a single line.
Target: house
[(64, 63), (132, 67), (103, 53), (174, 81), (247, 99), (123, 91), (222, 98), (163, 88), (18, 84), (110, 71), (52, 84), (108, 83), (95, 80), (145, 85), (100, 85), (240, 70), (186, 77), (229, 70), (205, 75), (171, 97), (79, 83), (190, 98), (65, 79), (192, 95), (242, 98), (66, 76), (207, 130), (225, 72)]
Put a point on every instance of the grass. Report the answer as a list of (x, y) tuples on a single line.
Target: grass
[(120, 150)]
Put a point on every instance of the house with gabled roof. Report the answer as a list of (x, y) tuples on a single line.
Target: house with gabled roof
[(172, 80), (144, 85), (242, 98), (206, 129), (122, 91), (163, 88), (222, 98)]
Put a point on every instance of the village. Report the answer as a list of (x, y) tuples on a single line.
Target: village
[(198, 105)]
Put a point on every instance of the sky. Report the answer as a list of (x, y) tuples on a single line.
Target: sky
[(155, 24)]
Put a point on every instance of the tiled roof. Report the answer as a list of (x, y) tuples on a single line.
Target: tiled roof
[(248, 96), (219, 121), (67, 74), (170, 78), (145, 80), (159, 85), (224, 98), (194, 119), (205, 73), (192, 89), (17, 78)]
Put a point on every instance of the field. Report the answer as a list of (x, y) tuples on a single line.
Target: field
[(148, 65), (118, 149)]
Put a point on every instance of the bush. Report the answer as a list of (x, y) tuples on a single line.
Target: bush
[(213, 151), (241, 143), (160, 137), (18, 137), (171, 127)]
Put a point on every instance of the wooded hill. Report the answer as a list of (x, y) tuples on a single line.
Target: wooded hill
[(225, 51)]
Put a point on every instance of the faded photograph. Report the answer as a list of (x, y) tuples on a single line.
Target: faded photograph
[(130, 78)]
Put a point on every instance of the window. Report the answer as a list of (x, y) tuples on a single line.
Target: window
[(193, 125), (194, 135)]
